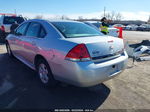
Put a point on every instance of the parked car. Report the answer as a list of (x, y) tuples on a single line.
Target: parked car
[(112, 31), (6, 20), (141, 28), (146, 27), (67, 51), (119, 25), (131, 27)]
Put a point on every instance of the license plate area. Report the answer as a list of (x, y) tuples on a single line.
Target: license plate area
[(113, 69)]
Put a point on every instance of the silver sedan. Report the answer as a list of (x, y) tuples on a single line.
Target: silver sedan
[(67, 51)]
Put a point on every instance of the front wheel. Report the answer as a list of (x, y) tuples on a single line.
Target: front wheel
[(45, 74)]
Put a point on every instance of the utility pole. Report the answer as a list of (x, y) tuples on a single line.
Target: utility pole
[(104, 11), (148, 20)]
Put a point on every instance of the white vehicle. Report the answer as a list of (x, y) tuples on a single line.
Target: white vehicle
[(67, 51), (112, 31), (118, 25), (6, 20)]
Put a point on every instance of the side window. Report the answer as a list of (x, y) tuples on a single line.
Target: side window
[(42, 33), (21, 30), (33, 30)]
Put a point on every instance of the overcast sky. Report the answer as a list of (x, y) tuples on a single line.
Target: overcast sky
[(130, 9)]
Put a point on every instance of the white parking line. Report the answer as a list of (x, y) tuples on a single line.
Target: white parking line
[(5, 87)]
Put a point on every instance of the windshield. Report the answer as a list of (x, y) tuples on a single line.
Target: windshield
[(76, 29), (11, 20)]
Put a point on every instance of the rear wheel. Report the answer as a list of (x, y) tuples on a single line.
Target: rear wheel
[(45, 74)]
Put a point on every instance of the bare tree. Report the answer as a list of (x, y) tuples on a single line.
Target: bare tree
[(56, 17), (110, 15), (80, 18), (118, 17), (38, 17), (113, 16), (64, 17)]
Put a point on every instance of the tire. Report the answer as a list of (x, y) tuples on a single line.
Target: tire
[(9, 52), (45, 74)]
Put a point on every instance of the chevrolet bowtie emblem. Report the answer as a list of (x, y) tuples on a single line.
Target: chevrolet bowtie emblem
[(111, 48)]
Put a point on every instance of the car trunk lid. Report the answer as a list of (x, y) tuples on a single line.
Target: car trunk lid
[(101, 47)]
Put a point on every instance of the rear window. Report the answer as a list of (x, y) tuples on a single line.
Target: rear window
[(76, 29), (97, 24), (33, 29), (11, 20)]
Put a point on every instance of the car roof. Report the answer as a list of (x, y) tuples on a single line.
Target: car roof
[(93, 21), (67, 21), (46, 20)]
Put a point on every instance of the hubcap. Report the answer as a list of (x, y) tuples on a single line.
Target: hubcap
[(43, 73)]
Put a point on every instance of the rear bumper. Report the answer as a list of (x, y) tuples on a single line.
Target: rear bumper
[(85, 74)]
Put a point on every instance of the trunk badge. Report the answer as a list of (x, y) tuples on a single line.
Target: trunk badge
[(110, 41)]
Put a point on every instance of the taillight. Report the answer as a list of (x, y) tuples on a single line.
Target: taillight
[(78, 53), (2, 28)]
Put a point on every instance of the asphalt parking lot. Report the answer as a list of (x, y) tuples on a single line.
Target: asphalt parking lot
[(136, 36), (21, 89)]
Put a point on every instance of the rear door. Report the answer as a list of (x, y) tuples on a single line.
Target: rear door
[(34, 33)]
